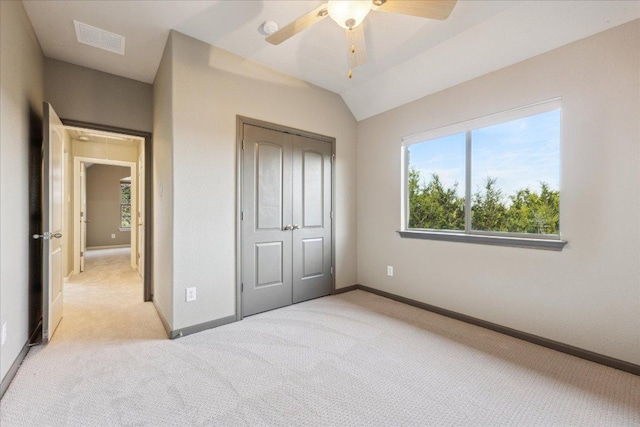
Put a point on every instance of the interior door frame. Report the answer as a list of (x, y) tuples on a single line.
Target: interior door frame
[(82, 235), (138, 219), (78, 162), (148, 188), (240, 122)]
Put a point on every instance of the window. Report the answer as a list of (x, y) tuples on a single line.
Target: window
[(125, 204), (491, 180)]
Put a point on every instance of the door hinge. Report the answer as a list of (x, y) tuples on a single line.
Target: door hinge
[(241, 287), (241, 215), (331, 214), (333, 158), (243, 144), (81, 214), (81, 253), (332, 270)]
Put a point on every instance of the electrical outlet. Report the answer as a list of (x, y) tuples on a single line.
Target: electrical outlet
[(4, 333), (389, 270), (190, 294), (113, 236)]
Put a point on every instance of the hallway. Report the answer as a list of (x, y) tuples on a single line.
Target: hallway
[(105, 302)]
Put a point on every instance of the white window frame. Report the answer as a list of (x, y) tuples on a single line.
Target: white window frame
[(540, 241)]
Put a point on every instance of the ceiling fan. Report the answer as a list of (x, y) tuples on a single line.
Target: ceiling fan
[(349, 14)]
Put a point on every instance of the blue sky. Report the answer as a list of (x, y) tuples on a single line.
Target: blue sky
[(520, 154)]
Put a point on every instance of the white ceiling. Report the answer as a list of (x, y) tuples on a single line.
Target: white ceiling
[(409, 57)]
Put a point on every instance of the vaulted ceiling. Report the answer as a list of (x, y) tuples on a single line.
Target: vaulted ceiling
[(408, 57)]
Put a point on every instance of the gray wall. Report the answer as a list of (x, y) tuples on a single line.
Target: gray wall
[(163, 186), (588, 295), (103, 206), (21, 91), (209, 88), (92, 96)]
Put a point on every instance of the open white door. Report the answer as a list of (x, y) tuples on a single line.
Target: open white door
[(83, 214), (52, 222)]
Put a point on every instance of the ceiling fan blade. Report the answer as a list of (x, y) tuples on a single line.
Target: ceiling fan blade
[(300, 24), (433, 9), (357, 46)]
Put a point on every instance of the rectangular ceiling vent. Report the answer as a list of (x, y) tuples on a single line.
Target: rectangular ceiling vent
[(99, 38)]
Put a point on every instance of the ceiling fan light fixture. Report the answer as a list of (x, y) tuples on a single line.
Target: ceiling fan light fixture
[(349, 13)]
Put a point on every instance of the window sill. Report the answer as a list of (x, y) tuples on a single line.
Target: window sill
[(124, 229), (517, 242)]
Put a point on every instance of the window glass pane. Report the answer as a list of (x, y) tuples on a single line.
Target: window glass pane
[(435, 183), (125, 216), (515, 175), (125, 205), (125, 193)]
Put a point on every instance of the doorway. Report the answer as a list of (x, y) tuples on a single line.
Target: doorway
[(285, 222), (106, 145), (107, 204)]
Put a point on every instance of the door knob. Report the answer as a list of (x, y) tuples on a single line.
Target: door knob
[(288, 227), (295, 227), (47, 236)]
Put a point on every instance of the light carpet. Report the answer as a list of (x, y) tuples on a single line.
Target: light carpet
[(354, 359)]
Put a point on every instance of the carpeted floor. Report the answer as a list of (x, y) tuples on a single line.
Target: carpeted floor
[(352, 359)]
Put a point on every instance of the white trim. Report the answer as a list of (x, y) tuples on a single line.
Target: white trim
[(404, 188), (77, 160), (485, 121)]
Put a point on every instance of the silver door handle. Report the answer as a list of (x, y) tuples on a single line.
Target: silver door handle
[(288, 227), (47, 236), (296, 227)]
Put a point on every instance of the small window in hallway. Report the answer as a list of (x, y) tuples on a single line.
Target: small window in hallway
[(125, 203)]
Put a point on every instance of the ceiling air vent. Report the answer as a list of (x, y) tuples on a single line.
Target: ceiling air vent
[(99, 38)]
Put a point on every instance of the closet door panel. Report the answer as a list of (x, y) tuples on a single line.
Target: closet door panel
[(311, 218), (267, 207)]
